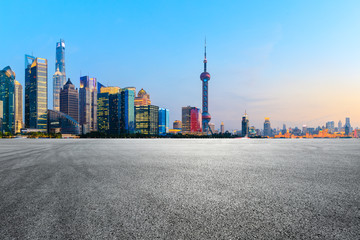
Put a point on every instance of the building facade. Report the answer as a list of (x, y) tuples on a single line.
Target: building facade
[(18, 107), (185, 119), (195, 120), (103, 107), (69, 100), (36, 84), (147, 119), (222, 128), (163, 121), (88, 104), (61, 122), (7, 96)]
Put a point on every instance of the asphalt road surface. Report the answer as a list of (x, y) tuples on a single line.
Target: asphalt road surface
[(179, 189)]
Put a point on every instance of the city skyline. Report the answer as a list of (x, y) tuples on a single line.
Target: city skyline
[(263, 65)]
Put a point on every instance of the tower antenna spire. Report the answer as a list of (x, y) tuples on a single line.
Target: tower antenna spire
[(205, 48)]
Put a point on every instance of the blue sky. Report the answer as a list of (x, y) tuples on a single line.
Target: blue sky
[(296, 62)]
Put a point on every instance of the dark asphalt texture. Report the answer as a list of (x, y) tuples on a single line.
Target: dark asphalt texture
[(179, 189)]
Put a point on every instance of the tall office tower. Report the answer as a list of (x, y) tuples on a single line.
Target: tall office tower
[(142, 99), (18, 107), (7, 96), (205, 78), (88, 104), (163, 121), (114, 113), (283, 131), (59, 78), (191, 120), (127, 110), (185, 119), (69, 100), (340, 126), (245, 125), (103, 107), (195, 120), (177, 124), (222, 128), (267, 128), (36, 83), (147, 119), (347, 124)]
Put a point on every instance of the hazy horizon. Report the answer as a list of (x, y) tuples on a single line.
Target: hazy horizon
[(293, 61)]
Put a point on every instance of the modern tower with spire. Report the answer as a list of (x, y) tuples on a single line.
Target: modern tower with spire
[(59, 78), (205, 78)]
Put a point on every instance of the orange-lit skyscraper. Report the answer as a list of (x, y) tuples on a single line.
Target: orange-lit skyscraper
[(142, 99)]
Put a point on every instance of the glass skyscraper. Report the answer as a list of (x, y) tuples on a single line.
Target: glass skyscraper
[(191, 120), (127, 110), (163, 121), (59, 78), (88, 104), (147, 119), (103, 108), (245, 125), (7, 96), (36, 92)]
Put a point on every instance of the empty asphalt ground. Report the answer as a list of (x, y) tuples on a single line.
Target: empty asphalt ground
[(179, 189)]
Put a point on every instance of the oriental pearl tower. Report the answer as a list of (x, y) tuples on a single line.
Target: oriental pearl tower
[(205, 78)]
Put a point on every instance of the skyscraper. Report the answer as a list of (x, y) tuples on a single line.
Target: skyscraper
[(347, 126), (69, 100), (18, 107), (185, 119), (147, 119), (127, 110), (222, 128), (36, 81), (115, 113), (59, 78), (195, 120), (163, 121), (191, 120), (7, 96), (103, 107), (267, 128), (245, 125), (205, 78), (88, 104)]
